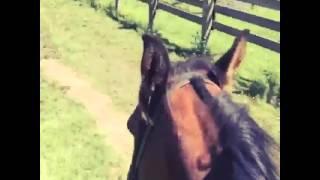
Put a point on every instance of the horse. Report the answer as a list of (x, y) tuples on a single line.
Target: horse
[(186, 125)]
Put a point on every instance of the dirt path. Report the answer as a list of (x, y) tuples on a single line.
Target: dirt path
[(110, 122)]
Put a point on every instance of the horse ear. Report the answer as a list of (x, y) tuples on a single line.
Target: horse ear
[(232, 59), (155, 64)]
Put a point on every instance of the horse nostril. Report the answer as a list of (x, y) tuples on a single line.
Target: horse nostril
[(204, 162)]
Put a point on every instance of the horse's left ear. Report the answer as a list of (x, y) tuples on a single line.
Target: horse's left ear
[(232, 59), (155, 64)]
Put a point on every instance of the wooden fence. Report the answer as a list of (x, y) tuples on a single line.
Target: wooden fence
[(209, 8)]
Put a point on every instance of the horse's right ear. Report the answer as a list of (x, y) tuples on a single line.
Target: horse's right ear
[(231, 60), (155, 64)]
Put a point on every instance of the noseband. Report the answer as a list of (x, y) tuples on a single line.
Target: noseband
[(150, 123)]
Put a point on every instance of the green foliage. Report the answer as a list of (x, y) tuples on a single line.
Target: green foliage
[(266, 88), (200, 45)]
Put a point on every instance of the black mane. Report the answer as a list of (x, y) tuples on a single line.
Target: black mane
[(194, 63), (245, 146), (191, 64)]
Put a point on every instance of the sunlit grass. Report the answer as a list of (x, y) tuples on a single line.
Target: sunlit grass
[(70, 147), (93, 44)]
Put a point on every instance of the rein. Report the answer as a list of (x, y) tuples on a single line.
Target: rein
[(150, 126)]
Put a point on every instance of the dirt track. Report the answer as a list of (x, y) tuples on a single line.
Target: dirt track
[(110, 122)]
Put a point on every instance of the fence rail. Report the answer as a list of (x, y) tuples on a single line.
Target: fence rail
[(180, 13), (208, 23), (260, 21), (266, 43), (271, 4)]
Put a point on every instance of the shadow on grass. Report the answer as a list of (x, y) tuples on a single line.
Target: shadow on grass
[(128, 24), (243, 86)]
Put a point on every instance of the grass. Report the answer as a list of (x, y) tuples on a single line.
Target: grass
[(70, 147), (109, 55), (93, 45), (257, 59)]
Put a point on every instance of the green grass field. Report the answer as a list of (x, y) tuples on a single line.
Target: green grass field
[(258, 60), (94, 45), (70, 147), (183, 33)]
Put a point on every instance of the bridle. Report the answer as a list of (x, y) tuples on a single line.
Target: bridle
[(150, 123)]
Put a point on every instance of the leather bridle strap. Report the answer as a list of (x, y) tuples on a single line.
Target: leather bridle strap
[(141, 147)]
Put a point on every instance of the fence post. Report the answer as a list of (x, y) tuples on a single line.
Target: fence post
[(208, 16), (152, 13), (116, 5)]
